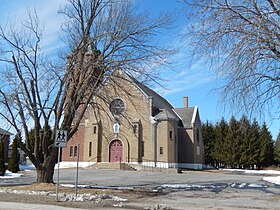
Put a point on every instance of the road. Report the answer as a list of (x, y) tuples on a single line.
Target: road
[(191, 189), (114, 178)]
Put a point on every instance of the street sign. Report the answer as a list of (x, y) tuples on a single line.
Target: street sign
[(61, 138)]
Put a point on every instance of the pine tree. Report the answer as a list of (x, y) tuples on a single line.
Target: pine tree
[(266, 155), (13, 163), (254, 145), (2, 162), (245, 142), (220, 131), (231, 146), (209, 142), (276, 150)]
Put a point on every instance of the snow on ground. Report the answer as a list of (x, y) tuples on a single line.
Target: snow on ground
[(10, 175), (66, 164), (269, 175), (97, 187), (67, 197), (26, 167), (29, 167), (262, 172), (271, 179)]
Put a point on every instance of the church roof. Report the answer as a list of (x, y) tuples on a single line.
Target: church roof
[(166, 111), (163, 110), (187, 115)]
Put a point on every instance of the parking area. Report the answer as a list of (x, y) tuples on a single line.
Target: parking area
[(188, 190)]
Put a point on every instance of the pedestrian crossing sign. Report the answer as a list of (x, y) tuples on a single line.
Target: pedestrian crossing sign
[(61, 138)]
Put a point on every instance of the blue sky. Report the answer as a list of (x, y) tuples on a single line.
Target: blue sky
[(194, 80)]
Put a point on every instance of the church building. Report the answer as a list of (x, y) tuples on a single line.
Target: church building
[(129, 122), (5, 139)]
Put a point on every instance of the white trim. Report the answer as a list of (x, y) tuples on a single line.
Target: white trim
[(194, 114)]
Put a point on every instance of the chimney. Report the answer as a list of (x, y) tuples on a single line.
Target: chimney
[(186, 101)]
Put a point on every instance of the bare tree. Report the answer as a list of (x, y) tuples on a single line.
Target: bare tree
[(38, 97), (242, 40)]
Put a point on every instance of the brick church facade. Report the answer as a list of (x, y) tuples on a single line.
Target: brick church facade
[(129, 122)]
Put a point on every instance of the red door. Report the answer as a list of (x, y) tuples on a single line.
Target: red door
[(116, 151)]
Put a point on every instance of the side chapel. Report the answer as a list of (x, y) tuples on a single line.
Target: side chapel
[(129, 122)]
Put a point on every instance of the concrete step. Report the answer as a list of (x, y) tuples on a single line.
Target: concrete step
[(106, 165)]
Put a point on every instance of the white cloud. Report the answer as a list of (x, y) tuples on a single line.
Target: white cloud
[(47, 11)]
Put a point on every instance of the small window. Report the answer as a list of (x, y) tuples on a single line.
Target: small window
[(197, 135), (142, 148), (94, 129), (134, 128), (75, 151), (170, 134), (71, 151), (161, 150), (198, 150), (90, 149)]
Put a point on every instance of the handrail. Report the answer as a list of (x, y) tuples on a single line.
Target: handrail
[(151, 164)]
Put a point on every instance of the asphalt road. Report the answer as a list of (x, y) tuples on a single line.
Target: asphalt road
[(118, 178), (221, 189)]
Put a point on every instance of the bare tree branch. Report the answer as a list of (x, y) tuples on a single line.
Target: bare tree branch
[(242, 40)]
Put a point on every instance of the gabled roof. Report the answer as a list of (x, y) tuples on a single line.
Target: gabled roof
[(187, 115), (4, 132), (162, 109), (165, 109), (158, 100)]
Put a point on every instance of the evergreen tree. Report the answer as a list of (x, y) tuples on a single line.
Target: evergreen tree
[(244, 143), (254, 145), (266, 155), (2, 162), (13, 163), (209, 142), (276, 150), (239, 144), (231, 145), (220, 131)]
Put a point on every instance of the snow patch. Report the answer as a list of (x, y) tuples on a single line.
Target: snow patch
[(261, 172), (10, 175), (274, 180), (246, 185), (182, 186), (97, 187), (67, 197), (26, 167), (66, 164)]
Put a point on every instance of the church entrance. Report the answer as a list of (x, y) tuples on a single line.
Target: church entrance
[(116, 150)]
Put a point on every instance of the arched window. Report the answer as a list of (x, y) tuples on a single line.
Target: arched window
[(197, 135), (90, 149), (75, 151), (71, 151), (94, 129)]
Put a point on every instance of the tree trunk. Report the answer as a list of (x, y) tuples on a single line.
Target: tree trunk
[(45, 174), (45, 170)]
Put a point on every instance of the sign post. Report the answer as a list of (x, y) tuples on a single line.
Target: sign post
[(57, 182), (77, 172), (60, 141)]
